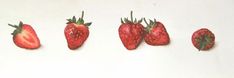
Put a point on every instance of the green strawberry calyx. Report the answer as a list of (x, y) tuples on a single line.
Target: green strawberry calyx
[(135, 21), (150, 25), (18, 28), (79, 21), (204, 40)]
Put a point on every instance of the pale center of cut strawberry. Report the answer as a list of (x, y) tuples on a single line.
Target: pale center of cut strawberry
[(28, 38)]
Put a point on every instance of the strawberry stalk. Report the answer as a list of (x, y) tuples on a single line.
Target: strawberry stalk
[(126, 20), (205, 40), (202, 44), (146, 22), (79, 21), (121, 21), (150, 25), (82, 15), (131, 16), (18, 28)]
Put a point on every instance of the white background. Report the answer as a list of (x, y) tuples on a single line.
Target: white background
[(103, 55)]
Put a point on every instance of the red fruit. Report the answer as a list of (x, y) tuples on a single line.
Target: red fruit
[(24, 36), (203, 39), (76, 32), (131, 33), (156, 33)]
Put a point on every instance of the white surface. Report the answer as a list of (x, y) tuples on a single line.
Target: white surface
[(103, 55)]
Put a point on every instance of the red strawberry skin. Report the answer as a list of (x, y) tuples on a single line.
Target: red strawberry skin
[(26, 37), (76, 35), (156, 34), (131, 34), (203, 39)]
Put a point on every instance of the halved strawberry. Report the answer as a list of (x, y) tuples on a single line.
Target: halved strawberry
[(24, 36), (76, 32), (156, 33), (203, 39), (131, 32)]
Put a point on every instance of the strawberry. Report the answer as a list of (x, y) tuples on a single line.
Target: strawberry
[(156, 33), (131, 33), (203, 39), (24, 36), (76, 32)]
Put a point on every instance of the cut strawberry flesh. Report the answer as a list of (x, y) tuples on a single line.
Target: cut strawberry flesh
[(26, 39)]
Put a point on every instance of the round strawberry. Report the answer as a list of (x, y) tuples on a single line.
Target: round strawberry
[(156, 33), (24, 36), (76, 32), (131, 32), (203, 39)]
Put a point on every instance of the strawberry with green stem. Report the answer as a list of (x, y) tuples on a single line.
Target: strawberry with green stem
[(203, 39), (156, 33), (24, 36), (131, 32), (76, 32)]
